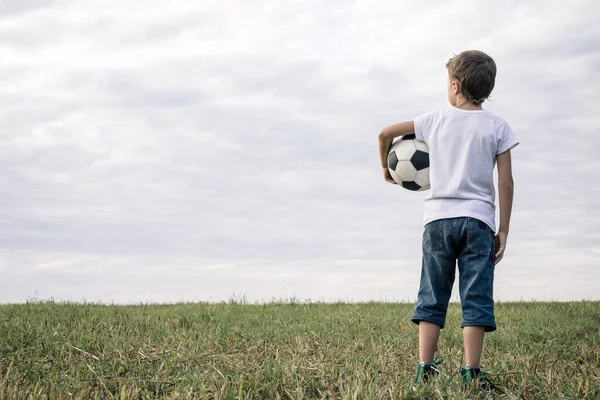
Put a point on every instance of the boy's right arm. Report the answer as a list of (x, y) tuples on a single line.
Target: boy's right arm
[(505, 191), (386, 137)]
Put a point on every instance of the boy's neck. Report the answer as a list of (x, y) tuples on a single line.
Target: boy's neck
[(464, 104)]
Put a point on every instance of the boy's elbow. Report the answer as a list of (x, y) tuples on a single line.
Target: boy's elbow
[(506, 183)]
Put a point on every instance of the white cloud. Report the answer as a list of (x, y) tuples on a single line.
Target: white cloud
[(200, 149)]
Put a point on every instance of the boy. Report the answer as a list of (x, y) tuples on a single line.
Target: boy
[(465, 142)]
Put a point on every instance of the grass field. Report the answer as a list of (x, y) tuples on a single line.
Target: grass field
[(285, 350)]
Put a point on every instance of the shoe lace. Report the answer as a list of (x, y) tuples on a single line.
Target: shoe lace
[(438, 360)]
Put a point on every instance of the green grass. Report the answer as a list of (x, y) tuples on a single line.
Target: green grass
[(285, 350)]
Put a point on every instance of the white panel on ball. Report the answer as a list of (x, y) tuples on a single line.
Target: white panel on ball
[(422, 177), (421, 146), (404, 149), (395, 177), (406, 171)]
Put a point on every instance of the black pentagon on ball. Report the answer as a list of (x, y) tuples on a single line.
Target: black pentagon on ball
[(392, 160), (420, 160), (411, 185), (412, 136)]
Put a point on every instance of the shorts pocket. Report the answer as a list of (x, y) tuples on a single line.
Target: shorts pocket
[(480, 237), (433, 237)]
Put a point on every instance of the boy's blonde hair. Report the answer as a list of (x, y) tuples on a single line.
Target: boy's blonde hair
[(476, 72)]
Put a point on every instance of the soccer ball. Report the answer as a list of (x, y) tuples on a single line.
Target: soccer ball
[(408, 162)]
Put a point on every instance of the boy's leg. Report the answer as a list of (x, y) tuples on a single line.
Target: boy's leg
[(476, 281), (473, 342), (429, 333), (437, 278)]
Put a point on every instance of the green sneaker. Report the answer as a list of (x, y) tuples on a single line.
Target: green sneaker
[(476, 375), (425, 371)]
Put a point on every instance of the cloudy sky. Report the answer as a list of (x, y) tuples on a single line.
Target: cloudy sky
[(156, 151)]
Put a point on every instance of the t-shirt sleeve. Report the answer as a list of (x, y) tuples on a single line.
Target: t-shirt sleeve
[(506, 138), (424, 125)]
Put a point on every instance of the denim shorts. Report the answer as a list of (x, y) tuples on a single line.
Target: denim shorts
[(471, 242)]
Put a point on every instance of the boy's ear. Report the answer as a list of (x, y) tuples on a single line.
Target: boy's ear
[(456, 87)]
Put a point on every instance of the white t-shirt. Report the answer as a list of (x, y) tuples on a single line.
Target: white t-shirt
[(463, 145)]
